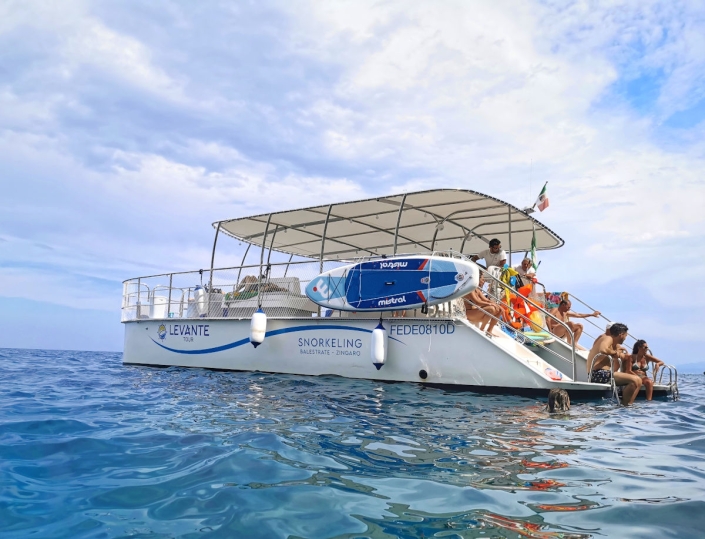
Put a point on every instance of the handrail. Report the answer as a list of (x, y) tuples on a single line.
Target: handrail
[(287, 263), (586, 305), (613, 383), (170, 298), (219, 269), (629, 335), (601, 315), (138, 292), (672, 379), (612, 360), (543, 310), (506, 325)]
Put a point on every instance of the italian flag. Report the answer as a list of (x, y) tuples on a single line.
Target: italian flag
[(542, 200)]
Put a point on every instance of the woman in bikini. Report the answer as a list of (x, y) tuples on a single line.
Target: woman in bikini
[(640, 359), (480, 308)]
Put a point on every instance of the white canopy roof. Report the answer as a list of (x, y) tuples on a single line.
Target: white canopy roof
[(433, 220)]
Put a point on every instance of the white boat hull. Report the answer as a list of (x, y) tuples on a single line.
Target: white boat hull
[(429, 351)]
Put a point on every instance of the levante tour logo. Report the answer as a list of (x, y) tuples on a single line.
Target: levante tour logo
[(162, 332)]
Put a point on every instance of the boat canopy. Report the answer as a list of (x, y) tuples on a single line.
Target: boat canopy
[(433, 220)]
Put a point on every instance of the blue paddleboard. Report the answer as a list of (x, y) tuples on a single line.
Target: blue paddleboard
[(394, 283)]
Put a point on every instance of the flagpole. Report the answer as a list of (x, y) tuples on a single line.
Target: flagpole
[(533, 247)]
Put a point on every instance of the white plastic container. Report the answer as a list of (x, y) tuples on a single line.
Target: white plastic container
[(158, 307), (201, 298)]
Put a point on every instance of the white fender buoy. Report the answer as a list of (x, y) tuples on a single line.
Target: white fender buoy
[(199, 294), (258, 327), (379, 345)]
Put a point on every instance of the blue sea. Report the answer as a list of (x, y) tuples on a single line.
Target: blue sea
[(90, 448)]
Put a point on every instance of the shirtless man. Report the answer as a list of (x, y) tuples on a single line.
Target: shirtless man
[(606, 351), (622, 352), (563, 312)]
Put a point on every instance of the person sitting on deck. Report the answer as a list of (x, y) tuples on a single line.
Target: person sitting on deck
[(494, 256), (481, 310), (248, 287), (639, 360), (605, 352), (622, 351), (525, 269), (563, 313)]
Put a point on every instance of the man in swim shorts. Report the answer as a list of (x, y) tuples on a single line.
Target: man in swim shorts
[(606, 351)]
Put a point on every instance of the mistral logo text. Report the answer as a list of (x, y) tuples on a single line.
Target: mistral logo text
[(392, 265), (391, 301)]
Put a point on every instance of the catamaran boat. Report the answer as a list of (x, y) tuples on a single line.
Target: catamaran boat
[(369, 289)]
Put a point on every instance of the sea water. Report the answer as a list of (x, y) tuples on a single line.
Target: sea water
[(91, 448)]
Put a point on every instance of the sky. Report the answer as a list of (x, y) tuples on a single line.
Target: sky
[(128, 127)]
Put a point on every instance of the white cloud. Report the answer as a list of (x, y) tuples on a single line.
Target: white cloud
[(132, 144), (92, 44)]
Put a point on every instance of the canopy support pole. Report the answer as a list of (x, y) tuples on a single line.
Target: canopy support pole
[(237, 282), (396, 230), (261, 261), (168, 308), (288, 264), (510, 237), (462, 245), (215, 241), (271, 244), (323, 237), (323, 245)]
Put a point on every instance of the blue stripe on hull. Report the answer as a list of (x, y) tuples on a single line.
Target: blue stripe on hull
[(268, 334)]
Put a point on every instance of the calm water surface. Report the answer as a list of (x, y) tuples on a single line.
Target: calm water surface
[(92, 448)]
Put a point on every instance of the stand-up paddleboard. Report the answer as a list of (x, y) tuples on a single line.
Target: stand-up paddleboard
[(394, 283)]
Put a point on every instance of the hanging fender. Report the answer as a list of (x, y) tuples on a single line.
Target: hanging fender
[(379, 346), (258, 327)]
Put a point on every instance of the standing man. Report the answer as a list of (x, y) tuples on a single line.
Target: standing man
[(494, 256)]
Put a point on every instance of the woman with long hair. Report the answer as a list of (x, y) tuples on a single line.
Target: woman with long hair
[(640, 359)]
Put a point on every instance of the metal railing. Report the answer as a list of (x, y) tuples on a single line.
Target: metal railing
[(504, 287), (222, 293), (613, 383), (518, 335), (672, 379), (673, 372), (238, 291)]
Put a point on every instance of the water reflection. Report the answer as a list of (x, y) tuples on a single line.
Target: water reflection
[(176, 451), (347, 433)]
